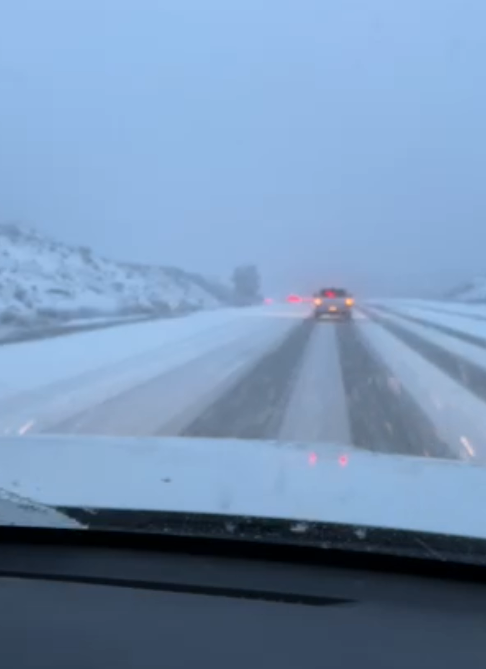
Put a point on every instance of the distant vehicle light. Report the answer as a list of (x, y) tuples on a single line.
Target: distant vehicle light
[(317, 301), (268, 300), (312, 459), (294, 299), (343, 460), (349, 301)]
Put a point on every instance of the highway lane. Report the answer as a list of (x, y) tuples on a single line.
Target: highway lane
[(468, 374), (311, 381), (351, 398), (254, 407), (383, 382)]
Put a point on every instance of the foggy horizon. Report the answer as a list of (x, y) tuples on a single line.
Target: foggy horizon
[(332, 144)]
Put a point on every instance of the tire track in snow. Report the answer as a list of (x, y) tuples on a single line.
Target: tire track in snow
[(466, 373), (444, 329), (382, 415), (254, 408)]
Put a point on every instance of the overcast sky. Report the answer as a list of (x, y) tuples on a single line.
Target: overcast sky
[(330, 141)]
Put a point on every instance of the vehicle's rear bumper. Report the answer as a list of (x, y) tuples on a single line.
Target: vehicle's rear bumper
[(338, 313)]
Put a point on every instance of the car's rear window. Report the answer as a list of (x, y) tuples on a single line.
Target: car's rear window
[(333, 292)]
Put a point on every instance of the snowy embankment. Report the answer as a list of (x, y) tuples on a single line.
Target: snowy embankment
[(473, 291), (45, 284)]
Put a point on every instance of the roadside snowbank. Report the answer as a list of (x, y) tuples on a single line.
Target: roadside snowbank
[(43, 282), (473, 291)]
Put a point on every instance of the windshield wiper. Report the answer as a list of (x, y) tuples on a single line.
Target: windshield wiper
[(326, 536)]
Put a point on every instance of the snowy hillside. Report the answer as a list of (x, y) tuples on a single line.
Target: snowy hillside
[(41, 279), (473, 291)]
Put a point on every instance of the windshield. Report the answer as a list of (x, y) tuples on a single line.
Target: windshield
[(178, 182)]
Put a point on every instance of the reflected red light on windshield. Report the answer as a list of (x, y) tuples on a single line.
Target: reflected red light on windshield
[(343, 460), (312, 459)]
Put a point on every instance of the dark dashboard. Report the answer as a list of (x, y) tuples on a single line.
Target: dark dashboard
[(72, 605)]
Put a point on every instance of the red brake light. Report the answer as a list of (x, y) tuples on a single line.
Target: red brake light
[(331, 294)]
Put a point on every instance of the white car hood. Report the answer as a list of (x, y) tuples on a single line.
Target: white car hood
[(319, 482)]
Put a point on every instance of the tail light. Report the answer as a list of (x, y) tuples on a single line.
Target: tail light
[(343, 460), (349, 301), (317, 301)]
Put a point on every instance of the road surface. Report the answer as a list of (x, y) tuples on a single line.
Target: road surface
[(402, 377)]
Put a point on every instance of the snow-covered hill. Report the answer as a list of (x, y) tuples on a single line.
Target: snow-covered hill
[(44, 280), (472, 291)]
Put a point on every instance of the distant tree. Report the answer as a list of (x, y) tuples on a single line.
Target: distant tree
[(247, 284)]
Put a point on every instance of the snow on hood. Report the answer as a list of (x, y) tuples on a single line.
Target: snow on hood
[(17, 510), (42, 278), (323, 482)]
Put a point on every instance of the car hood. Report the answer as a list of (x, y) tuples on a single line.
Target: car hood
[(302, 482)]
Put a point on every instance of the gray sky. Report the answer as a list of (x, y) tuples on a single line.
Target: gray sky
[(333, 141)]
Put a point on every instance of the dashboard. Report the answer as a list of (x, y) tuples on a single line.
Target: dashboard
[(81, 607)]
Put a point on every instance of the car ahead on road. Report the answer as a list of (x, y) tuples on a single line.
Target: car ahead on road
[(333, 302)]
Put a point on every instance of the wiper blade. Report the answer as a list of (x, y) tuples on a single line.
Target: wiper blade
[(326, 536)]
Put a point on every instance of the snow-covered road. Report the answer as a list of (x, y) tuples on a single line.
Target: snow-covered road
[(404, 377)]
